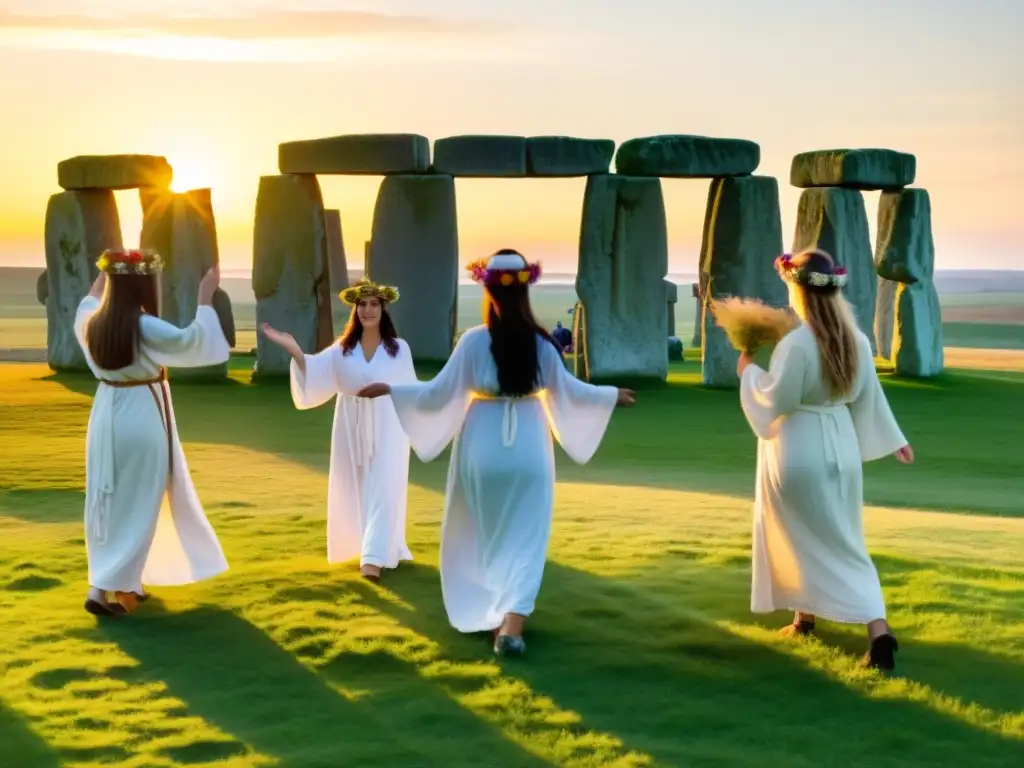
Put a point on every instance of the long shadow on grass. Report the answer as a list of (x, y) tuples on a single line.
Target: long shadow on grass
[(680, 689), (21, 744), (232, 675)]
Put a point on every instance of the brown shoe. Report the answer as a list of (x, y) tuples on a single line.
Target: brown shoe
[(371, 573)]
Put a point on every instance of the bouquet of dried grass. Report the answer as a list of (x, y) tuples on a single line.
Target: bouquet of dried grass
[(751, 324)]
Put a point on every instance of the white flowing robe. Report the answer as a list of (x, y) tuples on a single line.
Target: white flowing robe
[(501, 478), (132, 537), (369, 476), (809, 553)]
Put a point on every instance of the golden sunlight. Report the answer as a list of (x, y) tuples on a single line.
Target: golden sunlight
[(190, 172)]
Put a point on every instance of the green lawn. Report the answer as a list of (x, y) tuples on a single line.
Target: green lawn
[(642, 651)]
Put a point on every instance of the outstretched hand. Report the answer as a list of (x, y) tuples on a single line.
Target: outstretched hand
[(905, 455), (626, 398), (281, 338), (374, 390)]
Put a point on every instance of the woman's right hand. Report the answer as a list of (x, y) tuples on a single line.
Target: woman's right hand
[(208, 285), (905, 455), (627, 398), (283, 339)]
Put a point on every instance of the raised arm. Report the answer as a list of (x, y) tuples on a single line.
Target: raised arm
[(201, 343), (578, 412), (765, 396)]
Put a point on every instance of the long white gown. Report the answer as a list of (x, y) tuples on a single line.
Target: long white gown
[(132, 536), (809, 553), (501, 479), (369, 477)]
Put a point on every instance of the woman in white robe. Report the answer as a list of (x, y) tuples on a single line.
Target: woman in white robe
[(369, 476), (134, 459), (818, 412), (502, 393)]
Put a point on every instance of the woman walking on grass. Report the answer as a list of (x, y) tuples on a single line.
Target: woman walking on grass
[(134, 459), (502, 393), (819, 412), (369, 476)]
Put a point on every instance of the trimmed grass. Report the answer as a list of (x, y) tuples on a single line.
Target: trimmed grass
[(642, 651)]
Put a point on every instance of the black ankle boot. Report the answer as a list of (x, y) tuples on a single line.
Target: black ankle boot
[(882, 653)]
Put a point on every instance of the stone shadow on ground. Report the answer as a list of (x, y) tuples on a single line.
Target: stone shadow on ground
[(21, 742), (685, 689), (232, 675)]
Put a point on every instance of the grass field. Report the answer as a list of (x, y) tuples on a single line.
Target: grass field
[(642, 651)]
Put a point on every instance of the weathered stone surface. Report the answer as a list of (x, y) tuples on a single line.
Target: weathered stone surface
[(672, 296), (80, 225), (683, 156), (338, 264), (114, 172), (885, 317), (917, 344), (356, 154), (226, 315), (494, 156), (289, 251), (742, 239), (675, 349), (905, 250), (835, 221), (416, 248), (620, 280), (182, 229), (698, 326), (568, 156), (864, 169), (42, 287)]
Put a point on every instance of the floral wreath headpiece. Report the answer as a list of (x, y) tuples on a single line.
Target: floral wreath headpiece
[(367, 289), (792, 273), (139, 261), (504, 269)]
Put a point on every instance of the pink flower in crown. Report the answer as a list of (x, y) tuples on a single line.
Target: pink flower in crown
[(839, 271)]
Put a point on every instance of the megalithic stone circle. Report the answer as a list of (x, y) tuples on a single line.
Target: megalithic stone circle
[(289, 251), (743, 237), (415, 247), (80, 225), (620, 279)]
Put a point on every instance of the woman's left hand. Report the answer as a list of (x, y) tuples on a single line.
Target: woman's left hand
[(743, 362), (374, 390)]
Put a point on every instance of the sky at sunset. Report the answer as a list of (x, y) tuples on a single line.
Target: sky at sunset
[(215, 86)]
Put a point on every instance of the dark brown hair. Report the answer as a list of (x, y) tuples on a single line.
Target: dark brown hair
[(354, 331), (112, 333), (828, 315), (514, 330)]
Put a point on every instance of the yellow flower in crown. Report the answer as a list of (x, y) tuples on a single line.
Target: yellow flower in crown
[(367, 289)]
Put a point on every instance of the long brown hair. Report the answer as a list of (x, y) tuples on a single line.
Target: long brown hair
[(830, 318), (112, 333), (354, 331), (514, 330)]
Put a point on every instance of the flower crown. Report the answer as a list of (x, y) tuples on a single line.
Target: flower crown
[(481, 272), (367, 289), (791, 272), (115, 261)]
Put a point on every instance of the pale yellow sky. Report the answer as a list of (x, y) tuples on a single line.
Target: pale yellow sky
[(215, 86)]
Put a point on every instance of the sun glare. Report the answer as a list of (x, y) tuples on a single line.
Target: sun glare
[(190, 172)]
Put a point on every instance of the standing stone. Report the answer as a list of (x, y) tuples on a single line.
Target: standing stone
[(336, 252), (182, 229), (324, 305), (885, 317), (834, 220), (620, 279), (42, 287), (80, 225), (289, 251), (672, 295), (416, 249), (906, 249), (917, 345), (698, 325), (222, 306), (742, 239)]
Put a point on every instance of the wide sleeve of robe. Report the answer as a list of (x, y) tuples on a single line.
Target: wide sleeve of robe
[(877, 431), (86, 308), (578, 412), (201, 343), (767, 396), (432, 412), (321, 380), (406, 370)]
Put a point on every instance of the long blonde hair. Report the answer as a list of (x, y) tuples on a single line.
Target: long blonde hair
[(828, 314)]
